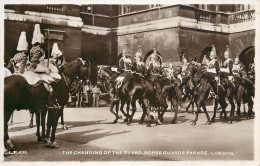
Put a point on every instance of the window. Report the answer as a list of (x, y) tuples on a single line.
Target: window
[(125, 9), (205, 7), (155, 5), (87, 8)]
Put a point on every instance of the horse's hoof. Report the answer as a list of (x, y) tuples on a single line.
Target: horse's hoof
[(115, 121), (120, 117), (173, 122), (54, 145), (193, 123), (31, 125), (193, 113), (39, 139), (158, 123), (6, 153), (208, 123), (212, 119), (149, 125), (9, 145), (152, 117), (125, 120), (48, 142), (65, 127), (141, 122), (161, 119)]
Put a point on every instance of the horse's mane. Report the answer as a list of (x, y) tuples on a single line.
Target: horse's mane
[(70, 68)]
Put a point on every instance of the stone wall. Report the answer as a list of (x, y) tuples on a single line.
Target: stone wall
[(70, 46)]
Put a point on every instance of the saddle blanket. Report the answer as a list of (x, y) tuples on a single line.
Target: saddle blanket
[(119, 81), (7, 73)]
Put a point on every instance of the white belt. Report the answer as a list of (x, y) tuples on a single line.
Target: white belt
[(212, 70), (226, 70)]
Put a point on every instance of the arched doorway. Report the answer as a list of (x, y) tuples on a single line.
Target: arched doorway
[(147, 57), (247, 56)]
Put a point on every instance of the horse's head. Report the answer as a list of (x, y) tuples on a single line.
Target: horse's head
[(75, 69), (223, 77), (191, 69)]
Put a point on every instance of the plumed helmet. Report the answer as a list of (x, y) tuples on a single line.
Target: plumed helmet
[(55, 53), (154, 54), (213, 52), (37, 35), (226, 53), (22, 42)]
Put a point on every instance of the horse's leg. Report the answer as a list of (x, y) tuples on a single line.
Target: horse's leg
[(238, 107), (48, 142), (31, 121), (122, 110), (144, 112), (223, 105), (117, 117), (176, 109), (133, 105), (112, 109), (250, 107), (147, 106), (215, 110), (38, 125), (206, 113), (7, 142), (54, 127), (197, 112), (64, 126), (43, 118), (231, 101)]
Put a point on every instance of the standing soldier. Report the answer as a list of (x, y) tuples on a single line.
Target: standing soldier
[(213, 70), (20, 59)]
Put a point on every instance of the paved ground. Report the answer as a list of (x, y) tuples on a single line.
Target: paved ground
[(91, 131)]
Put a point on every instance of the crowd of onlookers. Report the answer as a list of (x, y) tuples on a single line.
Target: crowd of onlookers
[(87, 96)]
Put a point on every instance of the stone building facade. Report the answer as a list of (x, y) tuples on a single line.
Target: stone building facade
[(98, 33)]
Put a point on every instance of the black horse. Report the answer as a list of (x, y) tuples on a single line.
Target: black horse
[(202, 90), (18, 94), (171, 91)]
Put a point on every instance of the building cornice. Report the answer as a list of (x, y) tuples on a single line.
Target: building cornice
[(44, 18), (173, 22)]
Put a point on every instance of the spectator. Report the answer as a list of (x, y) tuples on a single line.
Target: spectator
[(96, 92)]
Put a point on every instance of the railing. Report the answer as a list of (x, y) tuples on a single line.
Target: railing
[(244, 16), (55, 9), (204, 16)]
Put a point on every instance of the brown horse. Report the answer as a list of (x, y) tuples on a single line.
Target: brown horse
[(18, 94)]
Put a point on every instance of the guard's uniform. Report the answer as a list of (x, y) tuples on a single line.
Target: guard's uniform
[(212, 71), (228, 65), (20, 60)]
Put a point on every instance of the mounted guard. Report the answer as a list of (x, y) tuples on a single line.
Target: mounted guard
[(138, 64), (19, 61), (212, 71), (40, 68), (154, 63), (228, 64)]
